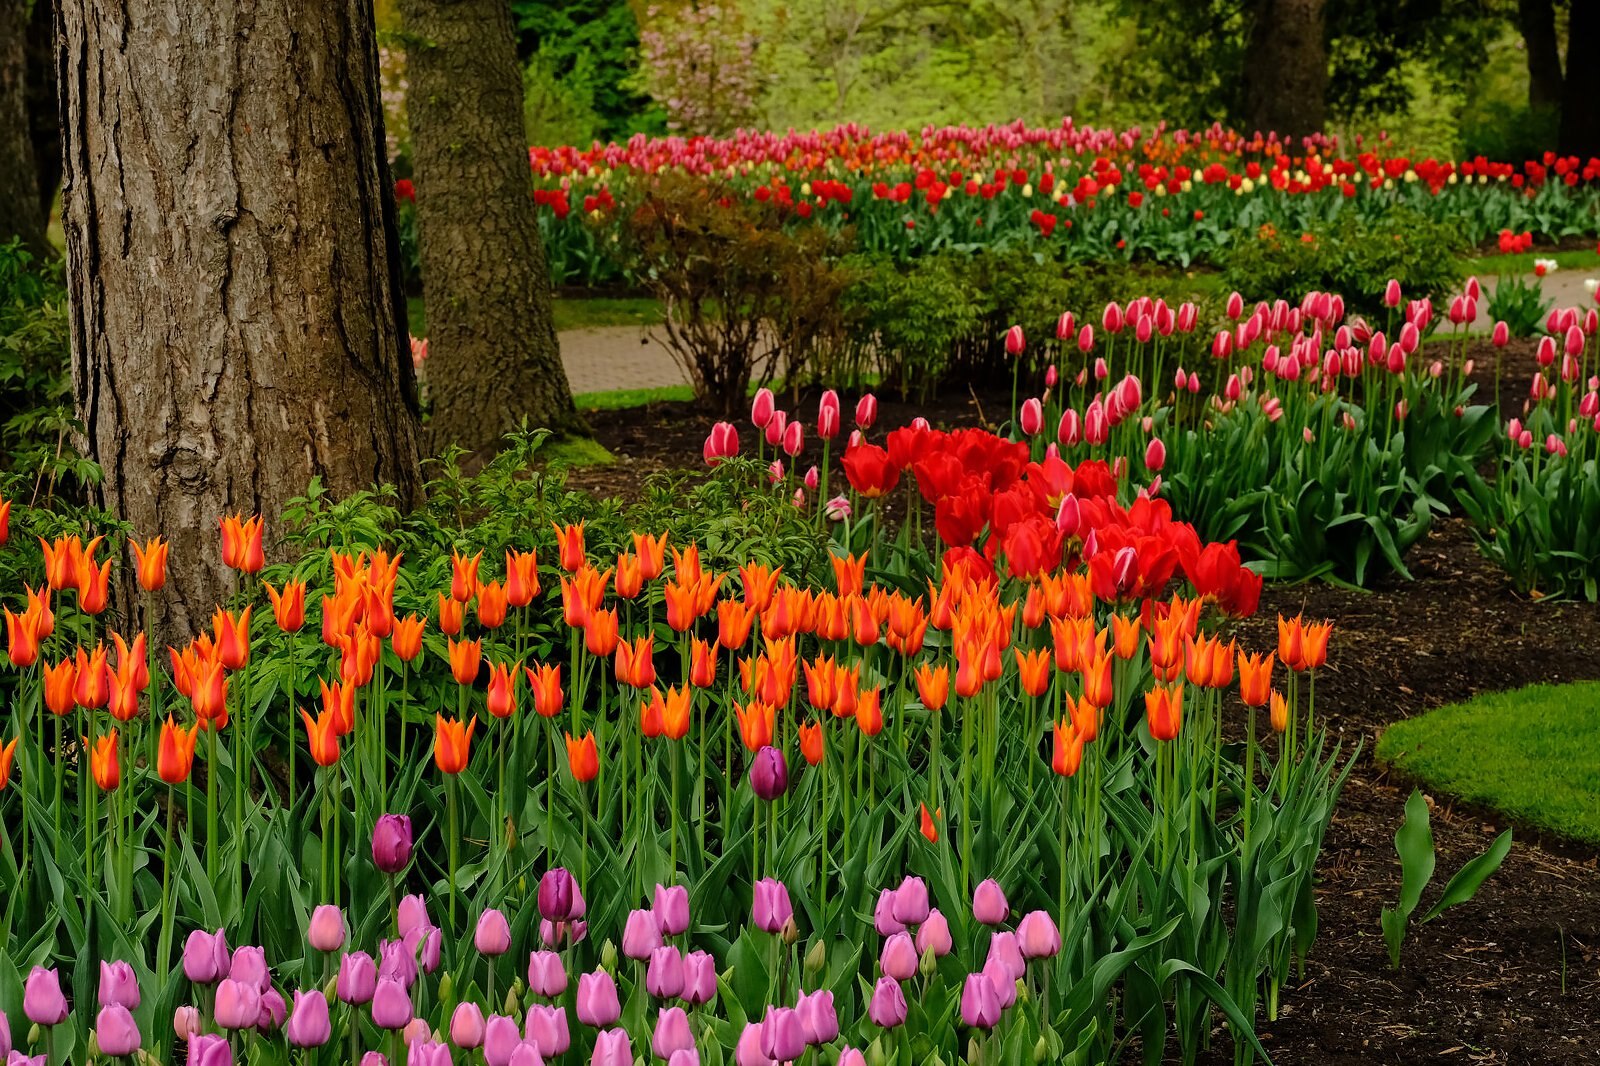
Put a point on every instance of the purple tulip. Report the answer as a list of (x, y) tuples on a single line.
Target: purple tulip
[(888, 1006), (493, 934), (238, 1004), (598, 1004), (684, 1057), (326, 929), (1005, 986), (911, 901), (546, 1029), (883, 918), (273, 1011), (186, 1022), (899, 957), (555, 934), (980, 1004), (934, 935), (547, 977), (672, 1032), (559, 897), (391, 1004), (641, 935), (524, 1055), (467, 1026), (771, 910), (671, 909), (17, 1058), (989, 904), (5, 1034), (398, 961), (852, 1057), (748, 1052), (116, 1031), (1003, 949), (769, 774), (205, 957), (611, 1048), (358, 978), (374, 1058), (500, 1038), (818, 1018), (782, 1036), (208, 1049), (118, 985), (423, 944), (391, 843), (308, 1021), (699, 978), (1037, 936), (412, 912), (250, 966), (427, 1053), (663, 979)]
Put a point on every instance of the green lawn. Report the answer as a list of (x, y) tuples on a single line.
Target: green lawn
[(1533, 754), (1492, 266), (570, 313)]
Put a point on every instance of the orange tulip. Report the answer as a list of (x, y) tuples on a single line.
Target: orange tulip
[(1314, 647), (288, 606), (869, 712), (522, 578), (681, 602), (1166, 649), (1279, 712), (60, 683), (94, 586), (1255, 679), (464, 576), (452, 743), (339, 705), (1197, 661), (583, 758), (929, 829), (675, 713), (1085, 719), (92, 687), (358, 655), (652, 713), (820, 682), (44, 620), (124, 697), (569, 541), (630, 576), (232, 637), (407, 637), (133, 666), (175, 752), (1033, 670), (1222, 663), (846, 691), (760, 583), (1125, 631), (7, 754), (652, 553), (1097, 681), (863, 623), (686, 565), (1067, 750), (812, 744), (1291, 642), (849, 572), (322, 735), (451, 615), (241, 543), (702, 664), (600, 632), (492, 605), (340, 613), (503, 689), (23, 636), (755, 724), (933, 685), (103, 764), (635, 663), (5, 523), (61, 561), (1033, 608), (545, 681), (1163, 710), (465, 658)]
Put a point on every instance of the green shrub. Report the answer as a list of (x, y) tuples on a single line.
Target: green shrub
[(35, 350)]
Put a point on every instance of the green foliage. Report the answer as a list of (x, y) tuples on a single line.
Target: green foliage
[(35, 386), (1352, 256), (1519, 303), (580, 56), (1532, 754), (1414, 843)]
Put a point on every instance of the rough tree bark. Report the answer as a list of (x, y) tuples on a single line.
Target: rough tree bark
[(1537, 21), (44, 122), (492, 352), (236, 314), (1286, 68), (19, 196), (1580, 117)]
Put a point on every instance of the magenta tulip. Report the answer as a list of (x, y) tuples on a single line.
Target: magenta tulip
[(326, 929), (598, 1004), (238, 1004), (118, 985), (671, 909), (467, 1026), (559, 897), (116, 1031), (308, 1021), (663, 978), (205, 957), (358, 978), (547, 976), (391, 843), (980, 1004), (887, 1008), (391, 1004)]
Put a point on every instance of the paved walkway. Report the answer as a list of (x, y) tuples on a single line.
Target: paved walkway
[(604, 358)]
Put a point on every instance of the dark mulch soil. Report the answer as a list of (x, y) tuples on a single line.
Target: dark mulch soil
[(1510, 978)]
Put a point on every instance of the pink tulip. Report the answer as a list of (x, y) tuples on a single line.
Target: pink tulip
[(1235, 305), (598, 1004), (1014, 341), (391, 1004), (721, 443), (934, 935), (664, 975), (309, 1025), (238, 1004), (827, 416), (1155, 455), (887, 1008), (794, 439), (866, 411), (641, 935), (546, 1029), (116, 1031), (671, 1032), (1032, 419), (493, 934), (899, 957), (326, 929), (699, 978), (547, 977), (467, 1026), (1064, 326), (762, 408), (980, 1004)]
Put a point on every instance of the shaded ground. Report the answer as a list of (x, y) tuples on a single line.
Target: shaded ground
[(1510, 978)]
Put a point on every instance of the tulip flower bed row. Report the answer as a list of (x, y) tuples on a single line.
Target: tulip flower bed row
[(1173, 196), (970, 804)]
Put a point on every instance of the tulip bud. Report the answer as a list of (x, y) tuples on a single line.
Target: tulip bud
[(326, 931), (769, 774), (391, 843), (762, 407), (866, 411), (1032, 418), (1014, 341), (816, 958)]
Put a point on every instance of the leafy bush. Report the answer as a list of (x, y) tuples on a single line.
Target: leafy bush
[(1352, 256), (1521, 305), (1539, 520), (35, 346)]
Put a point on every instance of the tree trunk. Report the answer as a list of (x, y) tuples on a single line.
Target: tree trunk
[(493, 359), (1580, 118), (1286, 69), (44, 122), (1537, 21), (236, 317), (19, 196)]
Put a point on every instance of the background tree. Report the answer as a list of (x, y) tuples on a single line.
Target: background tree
[(20, 214), (1285, 76), (236, 323), (1580, 94), (492, 353), (44, 125)]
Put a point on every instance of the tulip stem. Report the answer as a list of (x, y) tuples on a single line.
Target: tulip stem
[(164, 950), (294, 698), (675, 755), (450, 802)]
